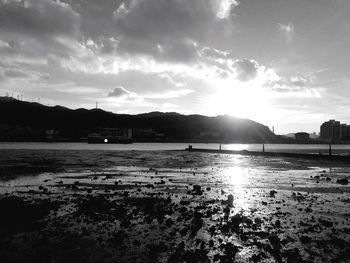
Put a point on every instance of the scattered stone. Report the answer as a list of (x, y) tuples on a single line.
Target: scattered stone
[(272, 193), (230, 200), (197, 190), (305, 239), (197, 223), (325, 222), (278, 224), (343, 181)]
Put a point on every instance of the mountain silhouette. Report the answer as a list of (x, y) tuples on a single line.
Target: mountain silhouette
[(28, 121)]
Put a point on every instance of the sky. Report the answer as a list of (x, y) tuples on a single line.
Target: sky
[(283, 63)]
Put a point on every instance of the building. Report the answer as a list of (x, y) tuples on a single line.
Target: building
[(302, 136), (348, 131), (147, 134), (116, 132), (343, 131), (330, 130), (51, 134)]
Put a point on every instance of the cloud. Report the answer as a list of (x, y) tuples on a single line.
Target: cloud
[(16, 73), (121, 11), (296, 86), (120, 92), (38, 28), (170, 94), (246, 69), (301, 81), (169, 29), (287, 30), (38, 18), (11, 71), (225, 8)]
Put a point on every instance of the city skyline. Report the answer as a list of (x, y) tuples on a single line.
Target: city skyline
[(280, 63)]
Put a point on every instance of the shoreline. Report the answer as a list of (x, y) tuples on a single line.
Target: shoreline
[(341, 158)]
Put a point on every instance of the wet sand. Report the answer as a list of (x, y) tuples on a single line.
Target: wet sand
[(171, 206)]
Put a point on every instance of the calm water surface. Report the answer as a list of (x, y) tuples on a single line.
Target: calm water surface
[(302, 148)]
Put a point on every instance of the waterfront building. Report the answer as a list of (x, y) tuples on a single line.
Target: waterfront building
[(330, 130), (302, 136)]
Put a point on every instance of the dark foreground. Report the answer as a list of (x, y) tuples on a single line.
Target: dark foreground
[(82, 206)]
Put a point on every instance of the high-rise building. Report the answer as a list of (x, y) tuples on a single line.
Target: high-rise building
[(330, 130), (343, 131)]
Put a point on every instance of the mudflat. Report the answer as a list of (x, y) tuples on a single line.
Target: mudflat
[(171, 206)]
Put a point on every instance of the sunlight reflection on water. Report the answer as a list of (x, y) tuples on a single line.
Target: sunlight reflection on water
[(236, 147), (235, 176)]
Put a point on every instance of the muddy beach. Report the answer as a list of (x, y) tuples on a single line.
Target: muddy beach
[(171, 206)]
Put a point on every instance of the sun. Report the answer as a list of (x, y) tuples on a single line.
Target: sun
[(241, 101)]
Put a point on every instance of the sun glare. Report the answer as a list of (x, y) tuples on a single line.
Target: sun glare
[(241, 102)]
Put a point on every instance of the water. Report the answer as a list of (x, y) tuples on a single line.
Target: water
[(296, 148)]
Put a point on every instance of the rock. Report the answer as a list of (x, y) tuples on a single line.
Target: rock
[(230, 200), (272, 193), (343, 181), (197, 190), (258, 257), (275, 241), (183, 232), (235, 221), (325, 222), (197, 223), (308, 210), (293, 255), (226, 212), (169, 222), (305, 239), (230, 251), (278, 223)]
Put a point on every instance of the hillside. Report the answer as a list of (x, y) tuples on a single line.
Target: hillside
[(28, 121)]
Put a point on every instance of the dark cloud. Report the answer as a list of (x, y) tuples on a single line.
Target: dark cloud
[(16, 73), (246, 69), (159, 19), (38, 28), (38, 17), (174, 25), (163, 29), (96, 17), (166, 30)]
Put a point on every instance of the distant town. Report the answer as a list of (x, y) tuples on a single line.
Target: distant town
[(335, 131), (331, 131)]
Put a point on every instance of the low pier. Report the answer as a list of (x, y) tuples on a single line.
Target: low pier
[(342, 158)]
